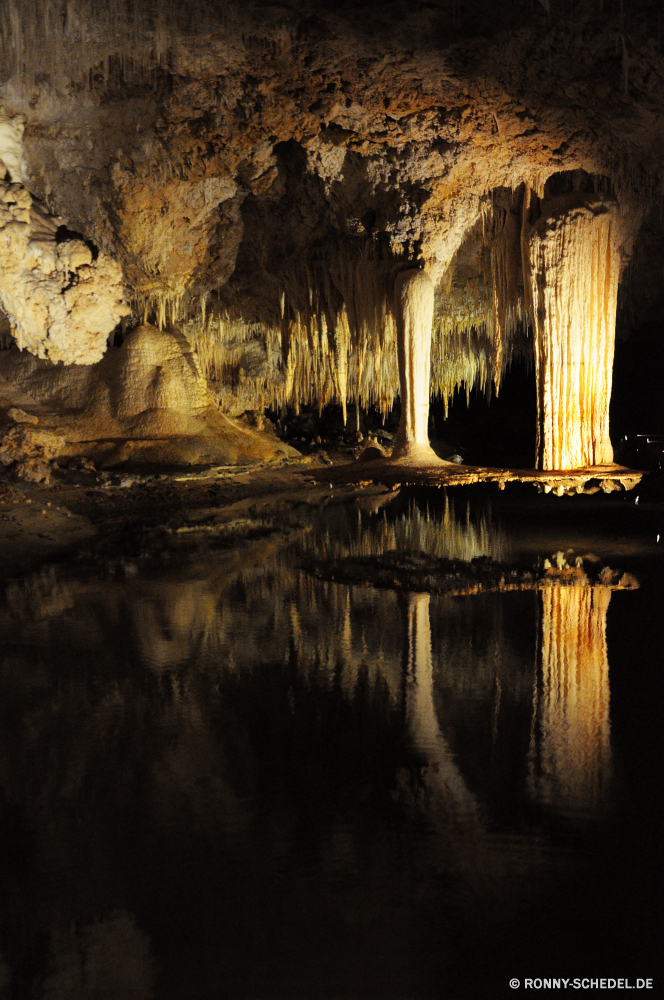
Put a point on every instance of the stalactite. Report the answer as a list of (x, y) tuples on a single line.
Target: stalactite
[(334, 335), (570, 751), (571, 269), (164, 309), (505, 271), (341, 351), (97, 43), (480, 319)]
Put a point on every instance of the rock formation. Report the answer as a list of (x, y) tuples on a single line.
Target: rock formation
[(62, 297), (414, 309), (257, 178), (572, 266), (145, 402)]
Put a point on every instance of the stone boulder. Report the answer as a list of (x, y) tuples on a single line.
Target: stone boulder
[(144, 402)]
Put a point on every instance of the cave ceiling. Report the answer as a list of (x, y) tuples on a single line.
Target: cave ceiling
[(212, 149)]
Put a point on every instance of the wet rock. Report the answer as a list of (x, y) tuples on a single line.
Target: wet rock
[(34, 470), (422, 572), (608, 576)]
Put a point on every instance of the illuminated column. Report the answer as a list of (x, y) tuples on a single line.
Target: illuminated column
[(570, 749), (441, 775), (571, 269), (413, 302)]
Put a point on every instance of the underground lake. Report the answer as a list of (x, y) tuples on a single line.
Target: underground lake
[(401, 746)]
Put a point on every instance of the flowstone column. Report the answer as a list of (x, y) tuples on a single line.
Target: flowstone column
[(413, 303), (571, 269)]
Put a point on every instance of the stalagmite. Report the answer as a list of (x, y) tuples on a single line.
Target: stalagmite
[(571, 269), (413, 304), (570, 750), (442, 775)]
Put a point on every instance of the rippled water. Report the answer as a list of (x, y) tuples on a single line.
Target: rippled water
[(224, 777)]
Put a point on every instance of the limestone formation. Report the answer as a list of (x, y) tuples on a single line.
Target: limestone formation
[(146, 401), (31, 450), (572, 267), (414, 310), (256, 179), (62, 299)]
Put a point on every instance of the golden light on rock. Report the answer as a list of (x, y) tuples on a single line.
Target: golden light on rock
[(414, 299), (571, 271), (570, 749)]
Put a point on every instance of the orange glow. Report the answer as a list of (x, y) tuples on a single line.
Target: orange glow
[(571, 270), (570, 750)]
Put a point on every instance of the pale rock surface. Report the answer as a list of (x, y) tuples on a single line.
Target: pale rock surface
[(572, 268), (146, 401), (21, 417), (236, 158), (414, 294), (171, 229), (61, 303), (11, 146)]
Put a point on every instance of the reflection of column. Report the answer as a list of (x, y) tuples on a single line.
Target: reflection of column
[(442, 774), (571, 268), (413, 303), (570, 750)]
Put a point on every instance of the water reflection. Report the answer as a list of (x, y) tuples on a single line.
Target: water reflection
[(441, 773), (446, 531), (102, 961), (235, 775), (569, 761)]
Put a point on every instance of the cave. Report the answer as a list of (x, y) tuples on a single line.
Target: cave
[(330, 400)]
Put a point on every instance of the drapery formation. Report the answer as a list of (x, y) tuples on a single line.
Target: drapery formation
[(571, 270)]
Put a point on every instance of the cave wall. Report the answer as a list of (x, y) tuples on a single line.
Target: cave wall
[(238, 162)]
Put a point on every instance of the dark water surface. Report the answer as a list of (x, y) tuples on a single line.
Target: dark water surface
[(222, 777)]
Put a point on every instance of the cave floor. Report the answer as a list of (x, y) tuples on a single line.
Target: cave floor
[(85, 516)]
